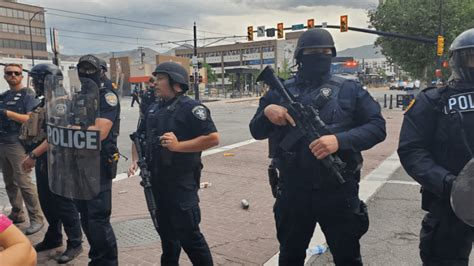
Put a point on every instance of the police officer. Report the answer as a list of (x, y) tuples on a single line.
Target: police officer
[(307, 191), (95, 213), (183, 128), (147, 97), (15, 107), (432, 152), (105, 81), (56, 209)]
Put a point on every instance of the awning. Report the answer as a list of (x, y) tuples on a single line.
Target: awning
[(138, 79)]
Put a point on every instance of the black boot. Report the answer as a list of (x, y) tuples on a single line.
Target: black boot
[(69, 254), (45, 245)]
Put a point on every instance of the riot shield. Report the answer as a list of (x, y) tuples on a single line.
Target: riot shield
[(73, 138), (462, 194)]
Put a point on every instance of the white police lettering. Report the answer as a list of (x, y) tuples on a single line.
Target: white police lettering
[(73, 138), (462, 102)]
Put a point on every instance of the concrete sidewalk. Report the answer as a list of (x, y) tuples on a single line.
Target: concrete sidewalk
[(236, 236)]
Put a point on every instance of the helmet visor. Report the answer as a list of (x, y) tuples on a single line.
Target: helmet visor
[(462, 62)]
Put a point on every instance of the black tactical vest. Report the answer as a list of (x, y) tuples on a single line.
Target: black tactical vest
[(161, 118), (15, 102)]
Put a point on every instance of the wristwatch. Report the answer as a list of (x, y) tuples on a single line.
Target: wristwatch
[(32, 155)]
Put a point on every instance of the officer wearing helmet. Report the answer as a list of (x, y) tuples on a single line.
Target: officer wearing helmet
[(57, 209), (433, 153), (307, 193), (177, 129), (95, 213)]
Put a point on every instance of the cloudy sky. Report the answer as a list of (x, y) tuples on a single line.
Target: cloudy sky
[(171, 21)]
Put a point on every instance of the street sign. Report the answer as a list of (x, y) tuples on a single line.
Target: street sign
[(297, 27), (194, 60), (261, 31)]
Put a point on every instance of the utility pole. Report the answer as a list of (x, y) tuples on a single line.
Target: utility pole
[(195, 66), (142, 55), (440, 29)]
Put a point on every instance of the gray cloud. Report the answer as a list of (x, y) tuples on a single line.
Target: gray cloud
[(213, 18), (291, 4)]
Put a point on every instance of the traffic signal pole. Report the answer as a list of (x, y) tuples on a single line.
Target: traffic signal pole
[(195, 66)]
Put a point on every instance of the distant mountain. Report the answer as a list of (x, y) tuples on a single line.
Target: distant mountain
[(150, 56), (362, 52)]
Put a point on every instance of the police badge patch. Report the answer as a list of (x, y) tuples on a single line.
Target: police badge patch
[(111, 99), (326, 92), (200, 112)]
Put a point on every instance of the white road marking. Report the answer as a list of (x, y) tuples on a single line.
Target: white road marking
[(368, 187)]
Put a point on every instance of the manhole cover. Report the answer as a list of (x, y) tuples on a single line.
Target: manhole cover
[(133, 233)]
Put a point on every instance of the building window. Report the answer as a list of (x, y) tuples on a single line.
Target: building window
[(15, 44)]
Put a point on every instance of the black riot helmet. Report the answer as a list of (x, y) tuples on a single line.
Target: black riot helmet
[(176, 73), (89, 67), (461, 57), (103, 65), (314, 38), (38, 74)]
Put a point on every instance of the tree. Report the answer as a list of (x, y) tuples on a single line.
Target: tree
[(285, 72), (211, 74), (419, 18)]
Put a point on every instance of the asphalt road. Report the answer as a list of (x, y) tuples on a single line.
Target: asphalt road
[(395, 221), (231, 120)]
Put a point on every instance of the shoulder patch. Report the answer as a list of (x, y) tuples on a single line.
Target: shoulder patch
[(200, 112), (326, 92), (111, 98)]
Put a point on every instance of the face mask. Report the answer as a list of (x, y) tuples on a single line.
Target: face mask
[(313, 66)]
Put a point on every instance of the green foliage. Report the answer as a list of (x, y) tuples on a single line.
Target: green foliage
[(211, 75), (285, 72), (420, 18)]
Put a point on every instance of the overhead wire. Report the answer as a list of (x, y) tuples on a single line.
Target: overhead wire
[(128, 20)]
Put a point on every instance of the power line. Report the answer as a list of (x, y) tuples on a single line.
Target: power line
[(103, 40), (128, 20), (111, 35), (115, 23)]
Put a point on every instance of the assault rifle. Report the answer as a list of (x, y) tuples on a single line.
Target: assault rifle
[(306, 118), (146, 178)]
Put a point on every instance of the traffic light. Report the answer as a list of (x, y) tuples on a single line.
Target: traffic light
[(199, 65), (310, 23), (191, 79), (280, 30), (344, 23), (440, 48), (200, 79), (250, 33), (270, 32)]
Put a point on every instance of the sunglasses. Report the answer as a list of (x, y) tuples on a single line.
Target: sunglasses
[(11, 73)]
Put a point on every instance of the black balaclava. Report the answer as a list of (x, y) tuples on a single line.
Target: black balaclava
[(315, 66)]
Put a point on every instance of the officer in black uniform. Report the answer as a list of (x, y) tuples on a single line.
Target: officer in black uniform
[(147, 97), (95, 213), (57, 209), (307, 192), (432, 152), (177, 130), (105, 81)]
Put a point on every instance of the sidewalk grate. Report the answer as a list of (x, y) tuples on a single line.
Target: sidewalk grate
[(132, 233)]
